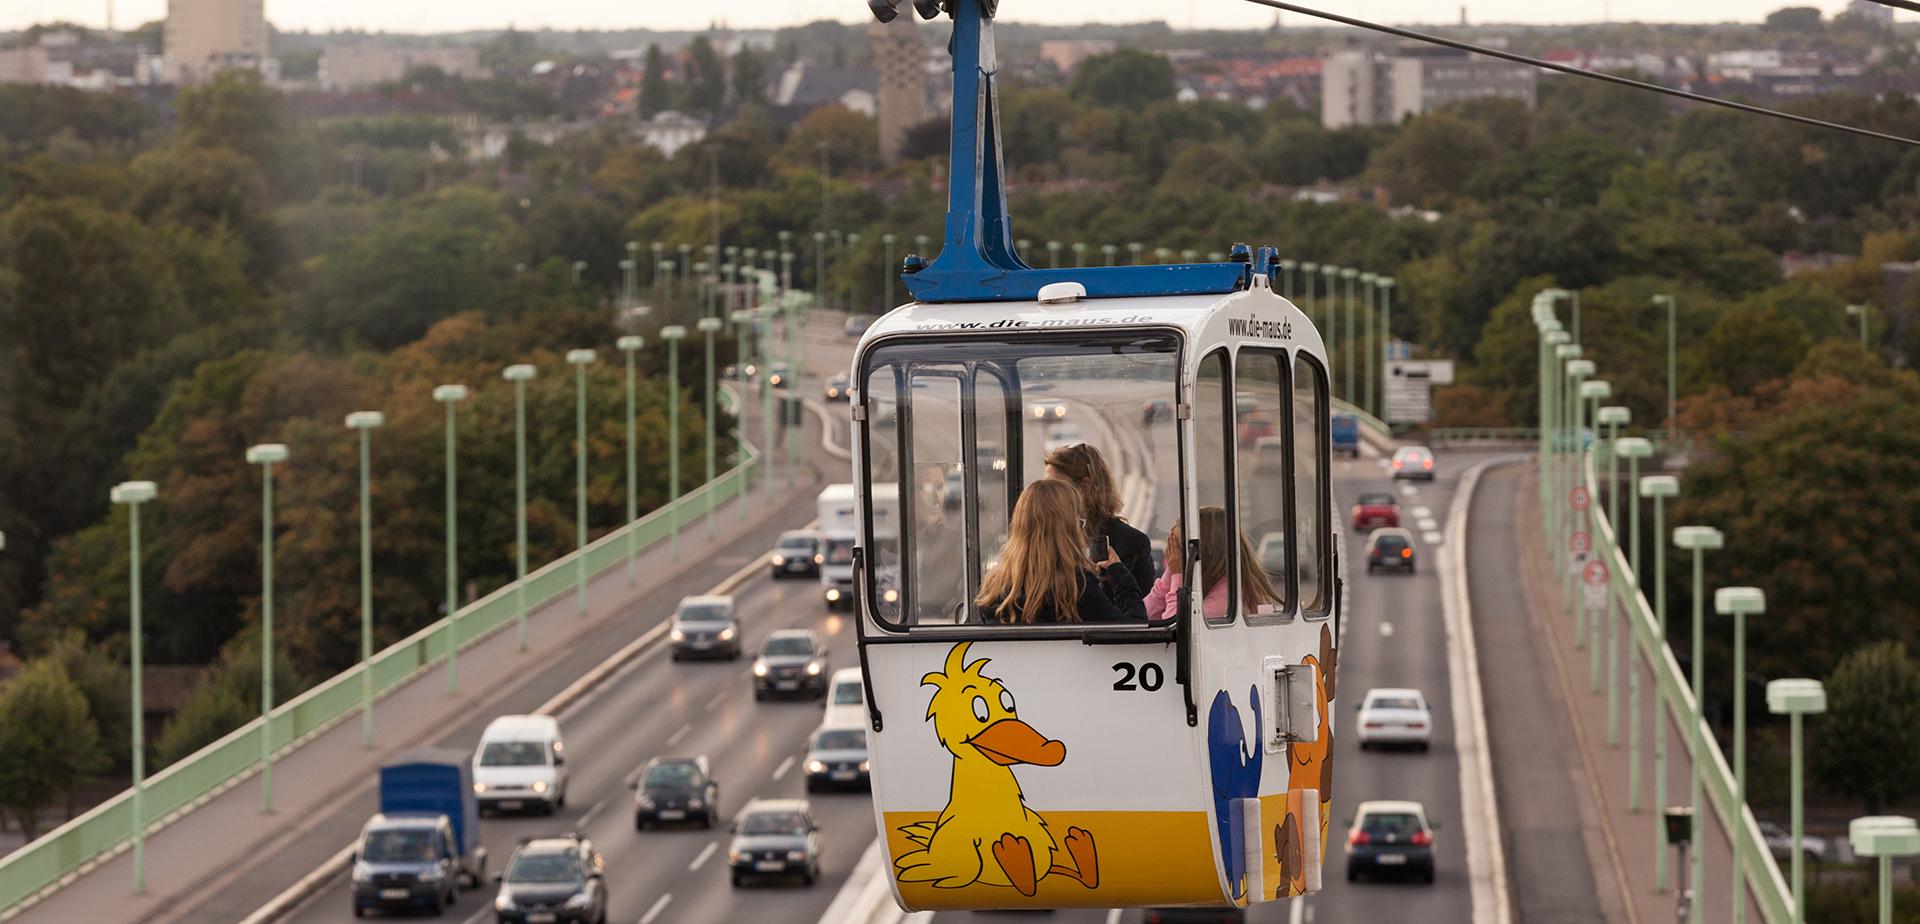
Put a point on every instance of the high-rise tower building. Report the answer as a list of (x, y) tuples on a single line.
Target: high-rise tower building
[(205, 37), (901, 60)]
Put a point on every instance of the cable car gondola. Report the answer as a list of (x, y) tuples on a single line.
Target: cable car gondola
[(1181, 762)]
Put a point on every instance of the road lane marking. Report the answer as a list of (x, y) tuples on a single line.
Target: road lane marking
[(706, 853), (485, 912), (682, 733), (715, 702), (1431, 537), (583, 820), (658, 906), (781, 770), (1386, 630), (1428, 523), (1297, 914), (1423, 512)]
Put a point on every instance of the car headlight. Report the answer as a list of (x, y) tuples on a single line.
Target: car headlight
[(733, 856), (796, 855), (695, 804), (865, 766), (813, 669), (503, 901), (539, 785), (759, 668), (1060, 412), (578, 901), (677, 635), (833, 595), (779, 559), (643, 802), (1039, 412), (432, 874), (726, 634), (362, 872), (479, 788), (891, 596), (814, 766), (819, 559)]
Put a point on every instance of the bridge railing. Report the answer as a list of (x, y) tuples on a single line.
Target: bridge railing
[(1482, 436), (106, 829), (1378, 426)]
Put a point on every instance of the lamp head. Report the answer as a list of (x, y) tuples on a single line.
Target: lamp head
[(1855, 309), (449, 394), (1596, 390), (1884, 836), (1368, 277), (1309, 267), (1580, 368), (1614, 415), (1386, 282), (518, 372), (630, 342), (267, 453), (1349, 273), (1288, 265), (1739, 601), (1632, 447), (366, 420), (1796, 696), (1698, 538), (580, 357), (741, 315), (1659, 485), (1661, 299), (1567, 351), (132, 492), (707, 325)]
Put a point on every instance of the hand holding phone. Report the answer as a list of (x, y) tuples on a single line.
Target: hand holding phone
[(1099, 551)]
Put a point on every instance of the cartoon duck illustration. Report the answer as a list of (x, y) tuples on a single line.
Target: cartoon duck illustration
[(1310, 764), (987, 834)]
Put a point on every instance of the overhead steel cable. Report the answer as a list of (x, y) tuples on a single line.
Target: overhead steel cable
[(1595, 75)]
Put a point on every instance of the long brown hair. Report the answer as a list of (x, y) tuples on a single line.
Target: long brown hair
[(1042, 561), (1215, 537), (1087, 469)]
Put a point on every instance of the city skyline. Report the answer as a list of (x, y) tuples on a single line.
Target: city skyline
[(472, 15)]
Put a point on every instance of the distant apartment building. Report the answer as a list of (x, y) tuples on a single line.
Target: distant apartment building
[(351, 67), (72, 59), (1066, 54), (1867, 9), (205, 37), (670, 131), (900, 59), (1374, 88)]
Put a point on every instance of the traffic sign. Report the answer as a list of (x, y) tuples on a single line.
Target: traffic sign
[(1595, 576), (1580, 543), (1577, 498)]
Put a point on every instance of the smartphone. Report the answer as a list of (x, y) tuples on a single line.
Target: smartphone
[(1097, 549)]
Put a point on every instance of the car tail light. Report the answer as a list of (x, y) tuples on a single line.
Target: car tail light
[(1397, 463), (1426, 463), (1406, 553), (1422, 839), (1359, 839), (1374, 725)]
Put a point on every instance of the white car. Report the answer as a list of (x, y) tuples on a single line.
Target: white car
[(1395, 716), (521, 763), (1048, 409), (846, 700), (1413, 462), (1780, 844)]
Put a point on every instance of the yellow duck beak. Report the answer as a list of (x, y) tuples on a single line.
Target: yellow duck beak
[(1011, 741)]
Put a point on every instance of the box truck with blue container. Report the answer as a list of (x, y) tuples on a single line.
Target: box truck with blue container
[(426, 837)]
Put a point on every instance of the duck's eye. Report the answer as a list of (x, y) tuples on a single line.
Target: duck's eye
[(980, 708), (1006, 700)]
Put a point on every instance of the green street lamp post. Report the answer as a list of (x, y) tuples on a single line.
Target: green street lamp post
[(1079, 254), (1577, 370), (1188, 256), (1739, 602), (1632, 449), (656, 249), (520, 374), (1884, 837), (1659, 487), (266, 455), (1307, 270), (580, 360), (1591, 393), (1349, 274), (920, 244), (853, 293), (629, 273), (1386, 285), (1613, 417), (1022, 248), (1861, 311), (1134, 248), (766, 411), (1332, 310), (665, 274), (819, 268), (707, 327), (1565, 356), (579, 266), (1109, 253), (686, 266), (742, 321), (451, 395), (1795, 698), (1163, 254), (1053, 254), (629, 345), (1370, 345), (673, 334), (886, 267), (366, 422), (1551, 336), (133, 494), (1698, 540), (1286, 279)]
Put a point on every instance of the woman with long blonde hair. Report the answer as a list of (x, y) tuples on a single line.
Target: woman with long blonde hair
[(1215, 536), (1085, 468), (1044, 574)]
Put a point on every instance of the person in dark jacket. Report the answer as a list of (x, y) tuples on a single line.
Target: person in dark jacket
[(1044, 576), (1085, 468)]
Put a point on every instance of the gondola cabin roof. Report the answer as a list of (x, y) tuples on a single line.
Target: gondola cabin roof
[(1188, 313)]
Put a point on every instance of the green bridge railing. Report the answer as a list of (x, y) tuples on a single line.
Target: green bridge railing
[(106, 829)]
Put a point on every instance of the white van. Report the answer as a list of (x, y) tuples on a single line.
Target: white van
[(521, 763), (846, 700)]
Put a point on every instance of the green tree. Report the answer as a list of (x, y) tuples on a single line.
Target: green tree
[(235, 110), (107, 687), (48, 743), (655, 95), (749, 79), (703, 85), (1749, 345), (1126, 78), (1431, 158), (1800, 21), (225, 699), (1870, 736)]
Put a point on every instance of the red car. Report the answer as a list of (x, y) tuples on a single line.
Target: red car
[(1255, 426), (1376, 510)]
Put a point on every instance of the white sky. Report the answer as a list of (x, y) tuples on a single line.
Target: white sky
[(460, 15)]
